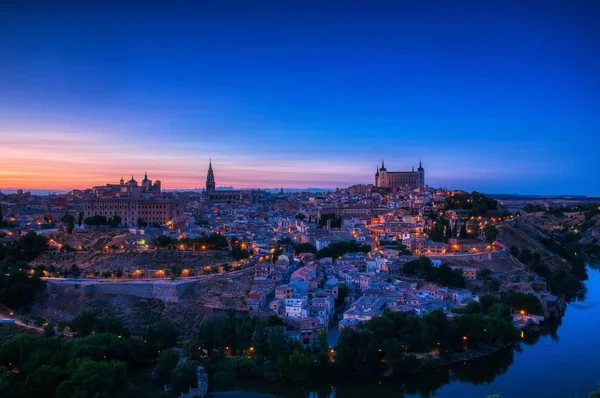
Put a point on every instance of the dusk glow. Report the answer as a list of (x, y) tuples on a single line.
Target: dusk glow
[(494, 97)]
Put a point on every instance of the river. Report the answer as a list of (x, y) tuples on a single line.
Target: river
[(562, 364)]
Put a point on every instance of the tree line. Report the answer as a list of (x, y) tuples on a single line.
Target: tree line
[(97, 362)]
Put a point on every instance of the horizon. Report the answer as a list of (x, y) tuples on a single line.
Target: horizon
[(502, 97)]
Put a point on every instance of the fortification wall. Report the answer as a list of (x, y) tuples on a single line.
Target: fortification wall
[(168, 292)]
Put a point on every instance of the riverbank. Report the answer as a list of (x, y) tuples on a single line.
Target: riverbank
[(553, 364)]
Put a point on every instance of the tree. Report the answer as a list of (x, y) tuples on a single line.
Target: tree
[(357, 352), (96, 221), (343, 291), (183, 377), (463, 230), (528, 302), (167, 361), (404, 250), (490, 232), (44, 379), (238, 253), (141, 223), (68, 221), (74, 271), (91, 378), (114, 221), (80, 218), (162, 333)]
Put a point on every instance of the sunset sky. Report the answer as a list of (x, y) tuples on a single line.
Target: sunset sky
[(495, 96)]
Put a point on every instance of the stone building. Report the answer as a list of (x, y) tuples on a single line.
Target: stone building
[(400, 180), (212, 195), (131, 209), (129, 189)]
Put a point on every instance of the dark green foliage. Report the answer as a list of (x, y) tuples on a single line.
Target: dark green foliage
[(305, 248), (529, 208), (68, 221), (528, 302), (162, 334), (404, 250), (336, 222), (114, 221), (476, 202), (141, 223), (91, 366), (167, 361), (17, 287), (490, 232), (87, 321), (357, 353), (96, 221), (164, 241), (343, 291), (441, 231), (338, 249), (423, 268), (239, 254), (183, 377), (93, 379), (286, 241)]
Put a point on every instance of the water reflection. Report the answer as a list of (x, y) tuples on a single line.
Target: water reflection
[(552, 360), (425, 384)]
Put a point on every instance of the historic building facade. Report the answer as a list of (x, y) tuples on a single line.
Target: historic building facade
[(152, 211), (129, 189), (400, 180), (132, 201), (212, 195)]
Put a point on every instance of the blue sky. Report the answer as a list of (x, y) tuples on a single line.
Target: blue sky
[(497, 96)]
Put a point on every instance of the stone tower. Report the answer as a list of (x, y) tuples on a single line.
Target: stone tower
[(383, 177), (421, 175), (210, 178)]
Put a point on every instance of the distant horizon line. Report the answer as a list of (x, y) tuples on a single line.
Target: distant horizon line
[(64, 190)]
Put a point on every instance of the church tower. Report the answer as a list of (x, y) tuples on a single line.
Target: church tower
[(210, 178), (383, 177), (421, 176)]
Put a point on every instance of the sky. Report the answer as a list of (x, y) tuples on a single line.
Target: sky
[(498, 96)]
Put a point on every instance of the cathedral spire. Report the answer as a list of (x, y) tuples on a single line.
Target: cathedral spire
[(210, 178)]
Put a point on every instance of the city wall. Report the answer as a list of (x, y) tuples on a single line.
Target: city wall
[(166, 291)]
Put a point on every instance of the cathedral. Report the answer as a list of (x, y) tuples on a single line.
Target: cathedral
[(212, 195), (400, 180)]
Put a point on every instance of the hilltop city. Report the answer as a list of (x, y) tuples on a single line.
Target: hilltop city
[(319, 266)]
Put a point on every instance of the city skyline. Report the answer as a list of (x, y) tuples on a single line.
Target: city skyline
[(301, 96)]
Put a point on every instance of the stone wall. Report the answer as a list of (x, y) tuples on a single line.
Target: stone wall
[(165, 291)]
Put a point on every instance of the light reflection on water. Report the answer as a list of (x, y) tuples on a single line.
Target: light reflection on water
[(561, 364)]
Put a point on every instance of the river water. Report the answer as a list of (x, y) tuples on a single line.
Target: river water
[(562, 364)]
